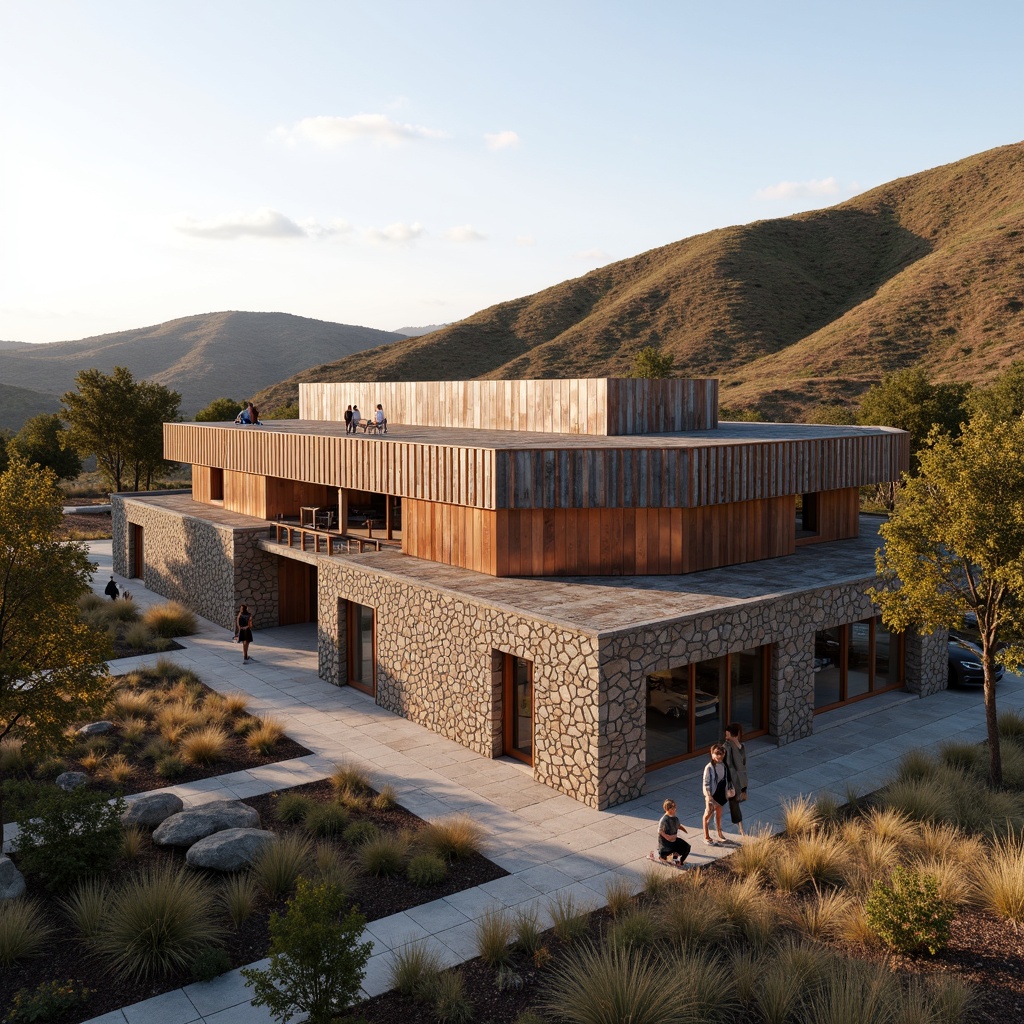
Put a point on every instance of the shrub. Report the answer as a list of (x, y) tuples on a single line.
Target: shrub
[(383, 856), (569, 918), (821, 915), (385, 800), (157, 921), (618, 894), (170, 619), (426, 869), (23, 930), (204, 746), (799, 816), (413, 968), (326, 820), (822, 856), (170, 767), (235, 704), (133, 839), (69, 836), (448, 995), (133, 729), (909, 914), (349, 778), (86, 905), (331, 868), (139, 637), (118, 769), (454, 838), (1011, 726), (265, 736), (360, 832), (999, 879), (13, 758), (292, 807), (209, 962), (279, 864), (239, 895), (493, 933), (49, 1001), (316, 961), (637, 929)]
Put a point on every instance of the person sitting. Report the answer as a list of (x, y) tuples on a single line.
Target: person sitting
[(245, 416)]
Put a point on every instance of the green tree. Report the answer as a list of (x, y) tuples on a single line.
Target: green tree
[(830, 413), (1004, 398), (6, 436), (219, 411), (120, 421), (282, 412), (316, 961), (43, 441), (651, 363), (52, 670), (955, 543)]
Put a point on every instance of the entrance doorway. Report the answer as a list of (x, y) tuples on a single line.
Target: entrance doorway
[(296, 589), (361, 647), (517, 701), (138, 557)]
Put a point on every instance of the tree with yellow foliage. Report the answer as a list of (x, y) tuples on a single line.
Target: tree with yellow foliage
[(52, 666)]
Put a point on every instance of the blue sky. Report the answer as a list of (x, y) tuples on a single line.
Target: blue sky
[(403, 163)]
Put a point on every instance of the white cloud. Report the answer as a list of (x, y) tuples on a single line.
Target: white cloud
[(395, 233), (332, 229), (812, 189), (264, 223), (331, 132), (501, 140), (464, 233), (598, 256), (525, 240)]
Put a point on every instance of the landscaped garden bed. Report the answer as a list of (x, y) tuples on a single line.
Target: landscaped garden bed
[(133, 632)]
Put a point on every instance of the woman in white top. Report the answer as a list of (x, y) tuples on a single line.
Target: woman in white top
[(716, 791)]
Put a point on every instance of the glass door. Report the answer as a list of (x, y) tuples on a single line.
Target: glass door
[(360, 642), (518, 708)]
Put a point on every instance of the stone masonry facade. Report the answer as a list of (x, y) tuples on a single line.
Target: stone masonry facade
[(210, 567)]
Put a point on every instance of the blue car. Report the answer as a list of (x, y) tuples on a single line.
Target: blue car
[(965, 667)]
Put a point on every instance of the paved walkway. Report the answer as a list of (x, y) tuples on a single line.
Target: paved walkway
[(550, 844)]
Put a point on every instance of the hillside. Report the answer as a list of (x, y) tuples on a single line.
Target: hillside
[(19, 404), (815, 307), (204, 357)]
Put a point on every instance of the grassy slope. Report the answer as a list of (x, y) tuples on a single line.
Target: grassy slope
[(231, 354), (19, 404), (787, 312)]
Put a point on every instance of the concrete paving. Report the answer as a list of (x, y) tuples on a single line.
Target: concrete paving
[(551, 845)]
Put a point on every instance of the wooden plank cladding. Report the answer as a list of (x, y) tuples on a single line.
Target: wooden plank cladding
[(837, 515), (598, 542), (268, 497), (603, 407), (672, 471)]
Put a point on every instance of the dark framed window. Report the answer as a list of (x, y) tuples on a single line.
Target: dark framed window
[(361, 647), (854, 661), (518, 704)]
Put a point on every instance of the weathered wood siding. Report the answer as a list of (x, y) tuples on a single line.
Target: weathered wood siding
[(268, 497), (599, 542), (838, 516), (605, 407)]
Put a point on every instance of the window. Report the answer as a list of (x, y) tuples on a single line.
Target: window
[(855, 661), (361, 646)]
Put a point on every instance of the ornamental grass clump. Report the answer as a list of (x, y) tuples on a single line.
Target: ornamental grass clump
[(820, 916), (425, 870), (493, 934), (823, 857), (998, 879), (908, 914), (170, 619), (326, 820), (157, 922), (529, 936), (292, 808), (637, 929), (454, 838), (239, 896), (413, 968), (331, 868), (383, 856), (86, 906), (618, 895), (23, 930), (265, 735), (349, 778), (570, 919), (279, 864), (800, 816), (206, 745)]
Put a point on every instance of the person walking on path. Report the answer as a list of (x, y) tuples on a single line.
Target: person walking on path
[(111, 590), (348, 420), (736, 762), (243, 630), (716, 791), (672, 847)]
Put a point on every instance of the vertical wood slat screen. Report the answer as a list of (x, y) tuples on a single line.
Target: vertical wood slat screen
[(599, 406)]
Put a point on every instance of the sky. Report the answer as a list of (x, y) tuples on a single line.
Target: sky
[(396, 163)]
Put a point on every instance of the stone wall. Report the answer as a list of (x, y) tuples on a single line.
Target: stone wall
[(439, 664), (210, 567), (927, 660)]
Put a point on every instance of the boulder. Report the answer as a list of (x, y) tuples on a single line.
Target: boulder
[(95, 729), (230, 850), (151, 809), (71, 780), (188, 827), (12, 882)]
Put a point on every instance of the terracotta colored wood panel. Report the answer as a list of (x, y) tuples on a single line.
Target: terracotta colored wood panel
[(838, 515), (296, 583)]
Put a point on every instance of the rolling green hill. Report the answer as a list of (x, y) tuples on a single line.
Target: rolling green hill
[(815, 307), (19, 404), (204, 357)]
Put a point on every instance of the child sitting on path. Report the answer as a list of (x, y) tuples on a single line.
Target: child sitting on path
[(672, 848)]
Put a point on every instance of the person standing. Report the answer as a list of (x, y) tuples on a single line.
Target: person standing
[(111, 590), (379, 420), (736, 762), (348, 420), (356, 417), (672, 848), (716, 791), (243, 630)]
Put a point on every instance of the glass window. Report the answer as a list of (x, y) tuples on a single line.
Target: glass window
[(668, 718), (361, 654), (828, 648), (746, 688), (858, 659), (709, 698), (887, 656)]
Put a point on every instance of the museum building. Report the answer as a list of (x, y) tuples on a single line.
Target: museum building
[(591, 576)]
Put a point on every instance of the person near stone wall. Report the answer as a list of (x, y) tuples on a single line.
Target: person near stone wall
[(716, 791), (243, 630), (736, 762)]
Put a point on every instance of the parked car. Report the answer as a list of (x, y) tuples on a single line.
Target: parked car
[(965, 667)]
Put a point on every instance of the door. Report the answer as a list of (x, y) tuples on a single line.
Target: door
[(518, 708), (360, 643), (138, 560)]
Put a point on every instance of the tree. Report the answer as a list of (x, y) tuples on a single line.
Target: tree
[(652, 364), (43, 441), (120, 421), (910, 400), (219, 411), (1004, 398), (5, 439), (52, 670), (955, 543), (316, 962), (830, 413)]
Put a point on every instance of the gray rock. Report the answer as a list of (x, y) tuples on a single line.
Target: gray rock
[(188, 827), (151, 809), (71, 780), (95, 728), (230, 850), (12, 882)]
